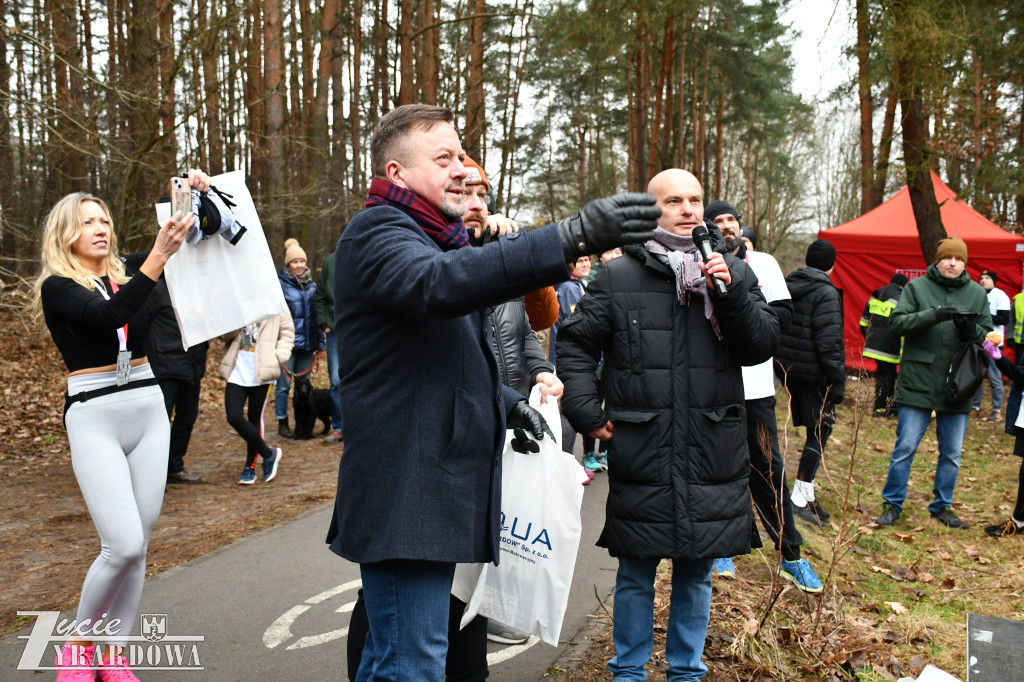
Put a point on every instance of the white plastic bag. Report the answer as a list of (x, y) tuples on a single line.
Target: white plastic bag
[(541, 496), (217, 287)]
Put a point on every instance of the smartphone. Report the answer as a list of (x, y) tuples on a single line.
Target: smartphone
[(181, 197)]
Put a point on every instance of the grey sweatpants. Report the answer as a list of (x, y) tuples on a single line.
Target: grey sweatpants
[(119, 454)]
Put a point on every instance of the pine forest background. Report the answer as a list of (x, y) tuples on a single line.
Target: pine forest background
[(560, 101)]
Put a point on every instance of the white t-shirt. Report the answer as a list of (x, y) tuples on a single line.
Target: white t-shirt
[(759, 380), (244, 371), (997, 300)]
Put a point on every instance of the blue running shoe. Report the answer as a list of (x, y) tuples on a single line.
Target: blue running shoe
[(802, 575), (270, 465), (602, 459), (724, 567), (248, 476), (590, 463)]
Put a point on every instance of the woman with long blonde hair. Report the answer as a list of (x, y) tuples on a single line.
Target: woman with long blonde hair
[(93, 303)]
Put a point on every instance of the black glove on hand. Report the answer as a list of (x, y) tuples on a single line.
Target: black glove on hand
[(945, 312), (836, 393), (964, 323), (602, 224), (522, 419)]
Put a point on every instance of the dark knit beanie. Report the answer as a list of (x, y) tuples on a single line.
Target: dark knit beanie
[(995, 280), (717, 208), (899, 279), (821, 255), (749, 233), (951, 246)]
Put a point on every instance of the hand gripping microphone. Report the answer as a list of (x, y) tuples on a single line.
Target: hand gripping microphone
[(702, 239)]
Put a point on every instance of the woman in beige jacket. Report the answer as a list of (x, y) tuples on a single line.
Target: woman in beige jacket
[(252, 361)]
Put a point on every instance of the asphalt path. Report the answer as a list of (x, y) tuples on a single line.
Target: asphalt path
[(275, 606)]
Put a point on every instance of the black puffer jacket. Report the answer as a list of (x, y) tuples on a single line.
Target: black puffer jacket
[(678, 462), (163, 341), (811, 356), (520, 355)]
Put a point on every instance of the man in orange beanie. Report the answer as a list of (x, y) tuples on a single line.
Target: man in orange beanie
[(541, 305)]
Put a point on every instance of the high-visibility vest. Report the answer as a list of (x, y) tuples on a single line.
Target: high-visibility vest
[(1017, 305)]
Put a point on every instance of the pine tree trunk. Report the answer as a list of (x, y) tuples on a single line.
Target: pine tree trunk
[(882, 171), (275, 92), (867, 162), (169, 140), (1020, 154), (719, 143), (8, 206), (355, 101), (67, 155), (428, 64), (211, 87), (405, 68), (142, 181), (472, 136), (915, 153), (255, 104)]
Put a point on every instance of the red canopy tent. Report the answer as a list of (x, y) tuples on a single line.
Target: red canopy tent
[(883, 241)]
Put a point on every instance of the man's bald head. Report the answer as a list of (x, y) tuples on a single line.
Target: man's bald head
[(679, 196)]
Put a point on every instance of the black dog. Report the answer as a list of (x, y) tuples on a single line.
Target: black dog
[(309, 405)]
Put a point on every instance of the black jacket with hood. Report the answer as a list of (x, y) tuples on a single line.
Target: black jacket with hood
[(811, 356)]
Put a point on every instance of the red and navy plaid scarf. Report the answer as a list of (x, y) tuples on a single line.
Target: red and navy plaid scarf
[(445, 234)]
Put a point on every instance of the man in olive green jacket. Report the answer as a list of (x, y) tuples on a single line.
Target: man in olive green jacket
[(930, 316)]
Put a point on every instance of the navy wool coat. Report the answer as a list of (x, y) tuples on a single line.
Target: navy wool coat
[(424, 409)]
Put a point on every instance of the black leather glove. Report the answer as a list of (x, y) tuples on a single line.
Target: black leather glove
[(964, 323), (945, 312), (522, 419), (602, 224)]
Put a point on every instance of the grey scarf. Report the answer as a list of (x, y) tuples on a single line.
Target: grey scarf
[(680, 253)]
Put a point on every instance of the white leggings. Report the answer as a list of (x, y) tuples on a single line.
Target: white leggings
[(119, 448)]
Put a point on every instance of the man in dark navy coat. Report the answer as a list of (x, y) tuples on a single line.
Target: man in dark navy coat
[(425, 414)]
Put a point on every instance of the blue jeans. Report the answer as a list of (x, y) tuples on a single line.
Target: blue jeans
[(633, 622), (995, 380), (911, 424), (332, 372), (299, 362), (407, 606)]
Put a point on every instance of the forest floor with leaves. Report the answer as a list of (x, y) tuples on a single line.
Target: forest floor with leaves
[(894, 600)]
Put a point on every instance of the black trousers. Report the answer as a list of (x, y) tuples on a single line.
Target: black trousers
[(817, 417), (181, 398), (885, 386), (250, 429), (768, 485), (467, 648)]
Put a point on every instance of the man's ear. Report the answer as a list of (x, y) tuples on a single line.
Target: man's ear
[(395, 173)]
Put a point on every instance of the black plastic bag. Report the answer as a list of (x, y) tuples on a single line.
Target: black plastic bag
[(966, 371)]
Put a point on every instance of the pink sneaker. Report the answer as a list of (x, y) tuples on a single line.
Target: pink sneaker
[(590, 476), (114, 668), (74, 663)]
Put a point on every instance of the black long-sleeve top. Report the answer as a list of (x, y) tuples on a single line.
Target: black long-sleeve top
[(84, 324)]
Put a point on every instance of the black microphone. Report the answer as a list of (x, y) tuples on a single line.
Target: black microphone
[(702, 238)]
